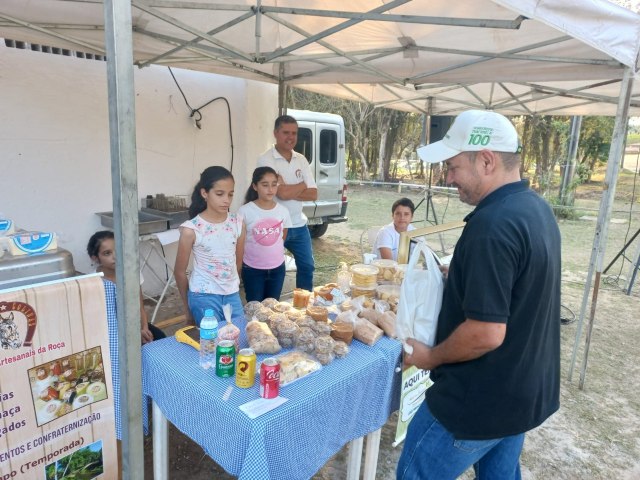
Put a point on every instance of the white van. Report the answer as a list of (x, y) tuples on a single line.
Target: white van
[(321, 139)]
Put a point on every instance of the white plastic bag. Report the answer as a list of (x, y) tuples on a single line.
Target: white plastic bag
[(420, 299)]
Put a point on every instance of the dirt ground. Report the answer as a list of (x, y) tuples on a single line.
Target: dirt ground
[(594, 435)]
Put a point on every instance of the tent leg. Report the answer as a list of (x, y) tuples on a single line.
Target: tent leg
[(616, 152), (124, 181), (592, 315), (282, 91)]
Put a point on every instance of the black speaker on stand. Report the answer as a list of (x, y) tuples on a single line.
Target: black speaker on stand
[(439, 126)]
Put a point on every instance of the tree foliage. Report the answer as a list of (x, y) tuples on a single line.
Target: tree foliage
[(545, 145), (381, 143), (375, 136)]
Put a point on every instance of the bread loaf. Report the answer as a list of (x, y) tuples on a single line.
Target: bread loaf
[(366, 332)]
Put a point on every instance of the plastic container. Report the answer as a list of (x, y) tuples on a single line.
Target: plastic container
[(386, 269), (365, 276), (357, 291), (208, 337), (389, 293)]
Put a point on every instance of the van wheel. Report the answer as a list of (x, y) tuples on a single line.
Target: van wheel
[(317, 231)]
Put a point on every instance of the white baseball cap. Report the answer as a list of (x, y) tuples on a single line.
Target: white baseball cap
[(472, 131)]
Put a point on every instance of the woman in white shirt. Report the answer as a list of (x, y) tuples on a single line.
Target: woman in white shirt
[(388, 239)]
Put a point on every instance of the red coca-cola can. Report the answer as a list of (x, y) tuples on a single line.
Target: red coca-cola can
[(269, 378)]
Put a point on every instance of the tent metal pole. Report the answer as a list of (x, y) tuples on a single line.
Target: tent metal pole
[(258, 29), (565, 196), (282, 91), (602, 227), (124, 181)]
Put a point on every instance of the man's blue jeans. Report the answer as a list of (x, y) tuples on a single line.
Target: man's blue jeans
[(298, 242), (431, 452), (260, 284)]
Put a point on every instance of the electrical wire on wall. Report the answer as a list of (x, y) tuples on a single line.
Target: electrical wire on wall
[(197, 115)]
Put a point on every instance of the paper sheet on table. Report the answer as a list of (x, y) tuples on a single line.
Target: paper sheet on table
[(257, 407)]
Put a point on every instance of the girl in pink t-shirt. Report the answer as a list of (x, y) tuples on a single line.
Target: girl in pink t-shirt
[(266, 224)]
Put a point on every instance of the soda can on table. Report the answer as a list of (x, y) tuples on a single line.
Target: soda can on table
[(246, 368), (225, 358), (269, 378)]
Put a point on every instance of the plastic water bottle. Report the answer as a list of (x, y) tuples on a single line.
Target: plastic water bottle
[(344, 278), (208, 337)]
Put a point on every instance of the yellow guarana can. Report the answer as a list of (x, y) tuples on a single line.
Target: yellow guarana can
[(245, 368)]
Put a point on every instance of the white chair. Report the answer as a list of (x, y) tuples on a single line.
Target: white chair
[(368, 240)]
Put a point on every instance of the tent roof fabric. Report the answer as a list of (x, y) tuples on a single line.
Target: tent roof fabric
[(514, 56)]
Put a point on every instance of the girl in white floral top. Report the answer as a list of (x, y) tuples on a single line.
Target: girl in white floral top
[(216, 238)]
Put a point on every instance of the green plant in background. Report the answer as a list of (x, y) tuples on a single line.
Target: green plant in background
[(564, 212)]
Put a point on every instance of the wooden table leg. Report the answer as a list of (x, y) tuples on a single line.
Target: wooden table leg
[(371, 455), (160, 444), (354, 459)]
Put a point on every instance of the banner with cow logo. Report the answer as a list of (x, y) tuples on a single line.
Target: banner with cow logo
[(57, 414)]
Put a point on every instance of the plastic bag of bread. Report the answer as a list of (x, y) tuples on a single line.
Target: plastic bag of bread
[(325, 358), (251, 307), (305, 340), (262, 314), (325, 344), (295, 365), (274, 320), (366, 332), (306, 321), (282, 307), (340, 349), (229, 331), (342, 331), (342, 327), (321, 328), (260, 337), (370, 314), (294, 314), (381, 306), (347, 305), (270, 302), (286, 333), (318, 313), (387, 322)]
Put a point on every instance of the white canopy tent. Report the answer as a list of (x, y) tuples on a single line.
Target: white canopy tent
[(515, 56), (571, 57)]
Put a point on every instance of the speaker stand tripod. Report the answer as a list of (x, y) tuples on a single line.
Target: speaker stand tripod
[(430, 207), (635, 262)]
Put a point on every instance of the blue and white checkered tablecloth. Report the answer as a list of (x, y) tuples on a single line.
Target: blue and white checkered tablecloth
[(112, 324), (345, 400)]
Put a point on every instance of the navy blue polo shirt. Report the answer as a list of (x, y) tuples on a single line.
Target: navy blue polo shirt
[(505, 269)]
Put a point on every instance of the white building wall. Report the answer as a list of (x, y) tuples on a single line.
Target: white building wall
[(54, 138)]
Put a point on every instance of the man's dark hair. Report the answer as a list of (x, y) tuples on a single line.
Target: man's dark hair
[(282, 119), (403, 202)]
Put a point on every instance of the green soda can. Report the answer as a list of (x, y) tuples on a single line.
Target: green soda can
[(226, 358)]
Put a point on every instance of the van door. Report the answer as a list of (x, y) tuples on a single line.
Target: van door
[(306, 146), (327, 168)]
